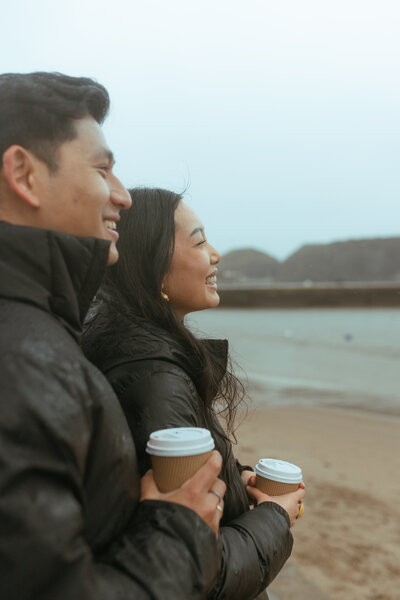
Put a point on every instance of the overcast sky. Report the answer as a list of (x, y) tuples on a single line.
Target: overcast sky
[(282, 115)]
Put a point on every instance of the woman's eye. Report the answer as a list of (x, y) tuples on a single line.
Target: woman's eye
[(202, 242)]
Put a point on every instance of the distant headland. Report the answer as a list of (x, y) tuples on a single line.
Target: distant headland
[(351, 273), (353, 260)]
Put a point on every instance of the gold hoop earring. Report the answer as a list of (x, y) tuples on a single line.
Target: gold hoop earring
[(164, 295)]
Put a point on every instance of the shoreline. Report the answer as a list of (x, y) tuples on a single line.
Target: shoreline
[(348, 541), (295, 398), (385, 412)]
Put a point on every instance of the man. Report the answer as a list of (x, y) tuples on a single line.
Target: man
[(71, 525)]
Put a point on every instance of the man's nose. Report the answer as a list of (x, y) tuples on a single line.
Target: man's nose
[(120, 195)]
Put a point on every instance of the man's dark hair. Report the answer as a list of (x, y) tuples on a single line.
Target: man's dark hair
[(37, 110)]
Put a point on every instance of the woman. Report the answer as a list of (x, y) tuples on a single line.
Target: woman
[(166, 377)]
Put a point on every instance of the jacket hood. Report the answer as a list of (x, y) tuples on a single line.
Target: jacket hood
[(56, 272), (112, 338)]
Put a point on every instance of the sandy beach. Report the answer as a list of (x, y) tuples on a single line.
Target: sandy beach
[(324, 388), (347, 544)]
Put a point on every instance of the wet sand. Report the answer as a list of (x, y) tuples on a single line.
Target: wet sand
[(347, 544)]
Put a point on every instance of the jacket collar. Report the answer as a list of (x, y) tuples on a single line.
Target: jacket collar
[(56, 272), (113, 338)]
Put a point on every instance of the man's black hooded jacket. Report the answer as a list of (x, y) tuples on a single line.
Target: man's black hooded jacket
[(71, 527)]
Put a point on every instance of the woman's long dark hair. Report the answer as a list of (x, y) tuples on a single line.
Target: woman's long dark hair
[(146, 245)]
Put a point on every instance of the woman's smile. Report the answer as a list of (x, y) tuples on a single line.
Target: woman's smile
[(211, 280), (191, 281)]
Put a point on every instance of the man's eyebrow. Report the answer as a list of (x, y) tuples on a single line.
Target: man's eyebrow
[(197, 229), (104, 153)]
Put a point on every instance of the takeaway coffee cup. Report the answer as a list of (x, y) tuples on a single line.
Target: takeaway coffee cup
[(276, 477), (176, 454)]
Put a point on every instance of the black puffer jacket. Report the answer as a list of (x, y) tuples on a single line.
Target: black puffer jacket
[(153, 377), (71, 527)]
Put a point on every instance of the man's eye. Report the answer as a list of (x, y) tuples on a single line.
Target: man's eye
[(202, 242)]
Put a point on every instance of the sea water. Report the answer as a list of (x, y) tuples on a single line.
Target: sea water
[(342, 357)]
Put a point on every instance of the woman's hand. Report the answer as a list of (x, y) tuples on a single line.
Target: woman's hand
[(246, 475), (290, 502)]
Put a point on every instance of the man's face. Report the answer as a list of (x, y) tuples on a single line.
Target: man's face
[(83, 197)]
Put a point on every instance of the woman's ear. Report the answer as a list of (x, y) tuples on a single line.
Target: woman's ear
[(19, 171), (163, 291)]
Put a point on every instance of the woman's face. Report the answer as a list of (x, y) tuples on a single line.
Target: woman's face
[(191, 281)]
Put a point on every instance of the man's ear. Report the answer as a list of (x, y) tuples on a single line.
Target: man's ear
[(19, 170)]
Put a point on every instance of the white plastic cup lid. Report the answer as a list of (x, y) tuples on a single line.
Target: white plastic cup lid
[(279, 470), (181, 441)]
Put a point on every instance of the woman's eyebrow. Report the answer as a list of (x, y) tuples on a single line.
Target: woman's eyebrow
[(197, 230)]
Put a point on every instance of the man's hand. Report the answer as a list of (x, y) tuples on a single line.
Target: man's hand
[(203, 492)]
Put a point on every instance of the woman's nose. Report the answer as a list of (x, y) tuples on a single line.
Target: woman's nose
[(215, 256)]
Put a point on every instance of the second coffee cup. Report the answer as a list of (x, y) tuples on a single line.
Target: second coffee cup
[(276, 477), (176, 454)]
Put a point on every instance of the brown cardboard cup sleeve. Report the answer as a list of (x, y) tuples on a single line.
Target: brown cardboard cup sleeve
[(177, 454)]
